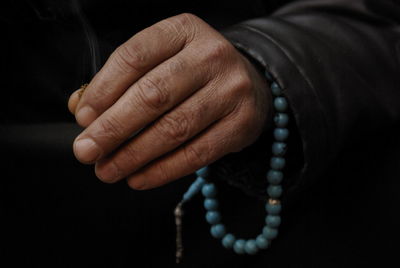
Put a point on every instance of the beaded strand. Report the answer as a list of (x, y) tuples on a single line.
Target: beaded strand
[(274, 190)]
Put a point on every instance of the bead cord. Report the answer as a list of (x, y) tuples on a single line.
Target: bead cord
[(273, 205), (194, 188)]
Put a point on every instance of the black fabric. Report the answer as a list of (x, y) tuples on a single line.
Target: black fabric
[(338, 62)]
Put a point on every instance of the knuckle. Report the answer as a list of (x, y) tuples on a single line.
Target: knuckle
[(99, 95), (242, 84), (152, 92), (174, 126), (97, 98), (185, 19), (129, 104), (197, 156), (130, 58), (185, 23), (177, 66), (110, 128), (219, 50), (169, 25)]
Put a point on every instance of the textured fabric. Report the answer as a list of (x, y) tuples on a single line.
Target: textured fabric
[(338, 63)]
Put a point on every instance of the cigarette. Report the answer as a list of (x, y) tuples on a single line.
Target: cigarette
[(82, 89)]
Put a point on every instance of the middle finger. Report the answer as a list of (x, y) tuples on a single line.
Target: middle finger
[(155, 93), (173, 129)]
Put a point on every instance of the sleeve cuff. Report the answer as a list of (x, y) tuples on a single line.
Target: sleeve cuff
[(309, 120)]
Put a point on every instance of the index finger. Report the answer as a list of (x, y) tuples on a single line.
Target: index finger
[(129, 62)]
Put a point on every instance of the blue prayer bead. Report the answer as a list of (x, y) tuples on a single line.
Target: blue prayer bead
[(281, 119), (262, 242), (251, 247), (281, 134), (273, 220), (276, 89), (194, 188), (274, 191), (228, 240), (238, 246), (200, 181), (270, 233), (273, 209), (186, 196), (274, 176), (209, 190), (279, 148), (218, 231), (210, 203), (203, 172), (213, 217), (277, 163), (280, 104)]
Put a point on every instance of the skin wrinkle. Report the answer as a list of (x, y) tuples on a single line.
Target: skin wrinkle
[(99, 102), (227, 92), (198, 112)]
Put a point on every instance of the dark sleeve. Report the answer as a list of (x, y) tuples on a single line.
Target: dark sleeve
[(338, 64)]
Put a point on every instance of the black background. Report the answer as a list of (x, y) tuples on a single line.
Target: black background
[(54, 212)]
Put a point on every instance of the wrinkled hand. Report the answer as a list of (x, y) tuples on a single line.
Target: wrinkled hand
[(175, 97)]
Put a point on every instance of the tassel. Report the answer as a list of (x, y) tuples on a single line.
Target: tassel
[(194, 188), (178, 222)]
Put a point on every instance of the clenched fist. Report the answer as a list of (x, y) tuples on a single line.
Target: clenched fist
[(175, 97)]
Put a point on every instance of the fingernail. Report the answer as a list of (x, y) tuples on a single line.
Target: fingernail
[(107, 173), (86, 150), (137, 183), (85, 115)]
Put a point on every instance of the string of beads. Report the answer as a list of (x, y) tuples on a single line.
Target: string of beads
[(274, 190)]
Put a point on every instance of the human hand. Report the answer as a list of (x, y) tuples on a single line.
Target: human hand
[(193, 97)]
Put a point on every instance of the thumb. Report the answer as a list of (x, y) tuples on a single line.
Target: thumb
[(75, 98)]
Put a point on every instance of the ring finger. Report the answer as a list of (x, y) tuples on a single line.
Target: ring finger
[(167, 133), (154, 94)]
